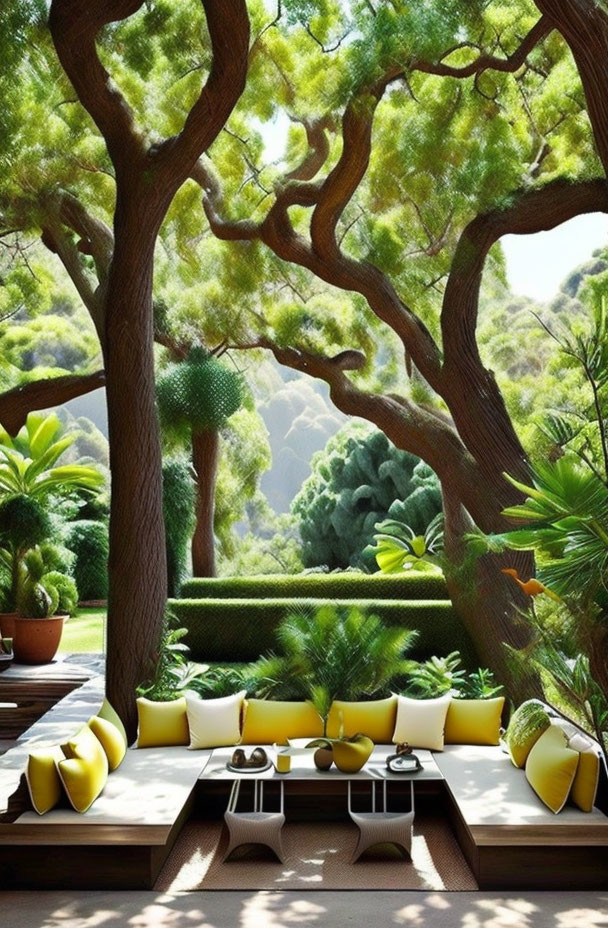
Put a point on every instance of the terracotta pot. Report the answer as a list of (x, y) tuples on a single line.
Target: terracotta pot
[(7, 624), (36, 640)]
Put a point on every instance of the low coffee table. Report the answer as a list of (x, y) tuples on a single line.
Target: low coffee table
[(374, 826)]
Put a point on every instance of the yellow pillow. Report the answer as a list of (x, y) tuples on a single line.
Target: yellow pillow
[(109, 713), (474, 721), (110, 739), (267, 721), (584, 787), (42, 779), (162, 723), (85, 771), (376, 719), (551, 768), (526, 725)]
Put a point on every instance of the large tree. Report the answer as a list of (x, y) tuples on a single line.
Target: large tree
[(459, 126), (147, 173)]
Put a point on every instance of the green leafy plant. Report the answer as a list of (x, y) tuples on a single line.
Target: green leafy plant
[(398, 547), (440, 675), (335, 653), (223, 681), (28, 462), (66, 588), (88, 540), (35, 598), (170, 672), (23, 525)]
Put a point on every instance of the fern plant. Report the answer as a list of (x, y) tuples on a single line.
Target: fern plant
[(440, 675), (335, 653)]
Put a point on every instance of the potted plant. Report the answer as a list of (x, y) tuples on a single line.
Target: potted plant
[(44, 601), (23, 525)]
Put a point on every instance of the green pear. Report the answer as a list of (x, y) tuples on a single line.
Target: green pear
[(350, 754)]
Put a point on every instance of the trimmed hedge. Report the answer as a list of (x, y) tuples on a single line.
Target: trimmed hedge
[(230, 630), (323, 586)]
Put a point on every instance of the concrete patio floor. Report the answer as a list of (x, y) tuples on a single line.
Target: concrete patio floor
[(304, 910)]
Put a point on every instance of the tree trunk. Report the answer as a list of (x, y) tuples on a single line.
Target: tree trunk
[(137, 565), (205, 452)]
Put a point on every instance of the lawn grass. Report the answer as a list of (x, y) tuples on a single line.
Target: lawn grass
[(83, 632)]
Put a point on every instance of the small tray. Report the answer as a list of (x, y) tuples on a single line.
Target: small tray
[(232, 769), (403, 763)]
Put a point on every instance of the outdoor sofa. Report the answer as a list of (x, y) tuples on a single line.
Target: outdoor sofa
[(510, 839)]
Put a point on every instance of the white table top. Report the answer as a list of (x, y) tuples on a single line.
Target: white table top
[(303, 767)]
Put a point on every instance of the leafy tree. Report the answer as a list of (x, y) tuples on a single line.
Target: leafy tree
[(439, 139), (357, 480), (196, 397), (88, 540)]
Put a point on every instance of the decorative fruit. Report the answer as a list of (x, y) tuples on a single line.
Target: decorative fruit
[(323, 758), (350, 754)]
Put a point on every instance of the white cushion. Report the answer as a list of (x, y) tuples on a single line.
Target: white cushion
[(214, 723), (421, 722)]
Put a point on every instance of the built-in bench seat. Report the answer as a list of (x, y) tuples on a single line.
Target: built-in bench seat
[(510, 838)]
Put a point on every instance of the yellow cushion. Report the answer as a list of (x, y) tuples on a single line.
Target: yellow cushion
[(85, 771), (421, 722), (526, 725), (584, 787), (551, 768), (267, 721), (376, 719), (42, 779), (108, 712), (110, 739), (162, 723), (474, 721)]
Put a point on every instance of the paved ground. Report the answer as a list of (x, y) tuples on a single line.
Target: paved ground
[(304, 910)]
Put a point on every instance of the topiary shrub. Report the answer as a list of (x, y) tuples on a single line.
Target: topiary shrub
[(89, 542), (342, 585), (357, 480), (66, 589)]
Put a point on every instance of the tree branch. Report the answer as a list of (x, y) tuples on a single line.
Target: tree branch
[(15, 404), (318, 146)]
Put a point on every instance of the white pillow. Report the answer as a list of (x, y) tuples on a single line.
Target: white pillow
[(421, 722), (214, 723)]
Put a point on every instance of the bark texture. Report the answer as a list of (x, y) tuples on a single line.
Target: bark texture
[(205, 455), (147, 178)]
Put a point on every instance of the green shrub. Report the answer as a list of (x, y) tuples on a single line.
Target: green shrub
[(243, 629), (178, 512), (89, 542), (323, 586)]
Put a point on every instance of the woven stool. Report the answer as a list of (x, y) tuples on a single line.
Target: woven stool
[(382, 827), (257, 827)]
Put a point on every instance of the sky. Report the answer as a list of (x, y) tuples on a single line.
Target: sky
[(537, 264)]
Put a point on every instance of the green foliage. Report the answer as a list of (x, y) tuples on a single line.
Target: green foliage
[(325, 586), (66, 588), (440, 675), (178, 512), (528, 718), (36, 598), (224, 681), (88, 540), (399, 548), (23, 525), (336, 653), (170, 672), (199, 393), (27, 462), (242, 629), (359, 479)]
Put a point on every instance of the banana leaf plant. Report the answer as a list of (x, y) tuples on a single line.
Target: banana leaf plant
[(398, 547)]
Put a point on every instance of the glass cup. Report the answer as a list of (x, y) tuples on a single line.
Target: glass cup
[(283, 762)]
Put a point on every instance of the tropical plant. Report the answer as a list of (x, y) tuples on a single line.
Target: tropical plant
[(398, 547), (170, 672), (66, 588), (439, 675), (333, 653), (27, 462), (43, 593), (223, 681)]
